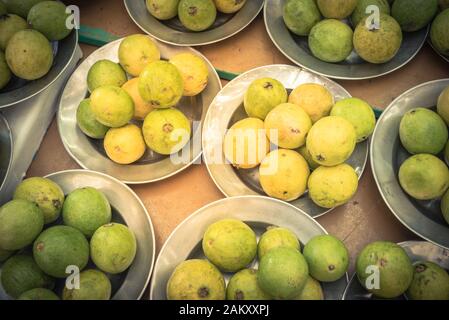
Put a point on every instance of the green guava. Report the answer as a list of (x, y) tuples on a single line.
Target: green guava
[(276, 237), (38, 294), (360, 14), (336, 9), (229, 6), (136, 52), (21, 222), (306, 155), (283, 273), (3, 10), (20, 274), (86, 209), (244, 286), (196, 279), (395, 270), (430, 282), (20, 7), (29, 54), (166, 131), (162, 9), (161, 84), (331, 40), (45, 193), (5, 254), (9, 25), (197, 15), (105, 73), (49, 18), (443, 105), (87, 122), (445, 206), (312, 291), (59, 247), (413, 15), (424, 177), (113, 248), (5, 73), (439, 34), (94, 285), (230, 244), (300, 16), (444, 4), (262, 96)]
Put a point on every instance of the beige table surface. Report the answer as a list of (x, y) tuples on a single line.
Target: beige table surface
[(365, 219)]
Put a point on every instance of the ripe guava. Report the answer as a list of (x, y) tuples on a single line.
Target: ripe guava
[(290, 123), (445, 206), (276, 237), (86, 209), (141, 107), (332, 186), (283, 273), (49, 18), (113, 248), (413, 15), (45, 193), (87, 122), (166, 131), (331, 40), (21, 221), (124, 145), (336, 9), (5, 73), (439, 34), (230, 244), (20, 7), (196, 279), (105, 73), (194, 72), (59, 247), (307, 10), (197, 15), (395, 270), (430, 282), (262, 96), (162, 9), (314, 98), (443, 105), (244, 286), (38, 294), (136, 52), (229, 6), (308, 157), (312, 291), (424, 177), (9, 25), (360, 14), (94, 285)]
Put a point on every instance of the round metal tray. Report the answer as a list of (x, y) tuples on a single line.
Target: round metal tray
[(387, 154), (90, 154), (6, 150), (19, 90), (258, 212), (417, 251), (173, 32), (128, 209), (296, 49), (227, 108)]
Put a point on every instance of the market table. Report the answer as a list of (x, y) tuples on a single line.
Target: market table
[(365, 219)]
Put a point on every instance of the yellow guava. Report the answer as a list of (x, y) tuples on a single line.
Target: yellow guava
[(124, 145), (194, 72), (314, 98)]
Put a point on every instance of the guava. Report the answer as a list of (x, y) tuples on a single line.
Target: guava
[(331, 40), (124, 145), (163, 9), (445, 206), (423, 131), (29, 54), (196, 279), (446, 153), (283, 273), (443, 105), (38, 294), (287, 126), (393, 265), (307, 10), (136, 52), (424, 177), (314, 98), (21, 221), (5, 254), (332, 186), (20, 7), (378, 45), (359, 113), (194, 72), (444, 4), (5, 73), (86, 209), (336, 9), (113, 248), (229, 6), (45, 193), (94, 285), (283, 174), (262, 96), (141, 107), (276, 237), (244, 286), (166, 131), (197, 15), (439, 34), (327, 258), (360, 14), (312, 291), (161, 84), (20, 274), (331, 141), (9, 25), (430, 282), (230, 244), (308, 157), (49, 18), (413, 15), (59, 247), (112, 106), (87, 122), (3, 10), (105, 73)]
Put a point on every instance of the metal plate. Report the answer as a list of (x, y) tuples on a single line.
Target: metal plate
[(6, 150), (227, 108), (296, 49), (387, 154), (89, 153), (19, 90), (128, 209), (173, 32), (417, 251), (436, 51), (258, 212)]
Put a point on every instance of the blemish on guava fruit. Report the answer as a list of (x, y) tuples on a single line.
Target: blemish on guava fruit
[(203, 292)]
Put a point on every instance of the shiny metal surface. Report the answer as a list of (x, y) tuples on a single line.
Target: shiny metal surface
[(6, 150)]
